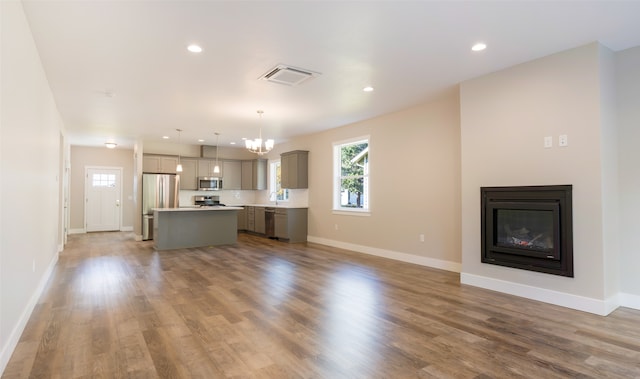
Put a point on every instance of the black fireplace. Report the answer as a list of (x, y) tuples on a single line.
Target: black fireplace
[(528, 228)]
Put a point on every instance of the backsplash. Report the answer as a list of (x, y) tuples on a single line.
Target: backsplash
[(228, 197), (297, 197)]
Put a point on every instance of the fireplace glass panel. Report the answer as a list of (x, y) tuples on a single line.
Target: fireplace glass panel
[(525, 229)]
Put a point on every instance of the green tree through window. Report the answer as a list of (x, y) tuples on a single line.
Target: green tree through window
[(353, 174)]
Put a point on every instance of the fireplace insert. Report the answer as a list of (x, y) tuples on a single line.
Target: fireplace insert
[(528, 228)]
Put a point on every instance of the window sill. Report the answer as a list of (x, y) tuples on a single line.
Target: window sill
[(344, 212)]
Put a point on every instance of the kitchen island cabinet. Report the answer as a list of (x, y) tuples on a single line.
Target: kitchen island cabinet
[(180, 228)]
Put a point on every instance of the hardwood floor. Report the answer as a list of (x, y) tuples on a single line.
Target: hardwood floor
[(115, 308)]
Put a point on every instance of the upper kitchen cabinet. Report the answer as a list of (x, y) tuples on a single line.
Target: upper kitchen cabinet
[(159, 164), (232, 175), (254, 174), (205, 168), (189, 174), (294, 169)]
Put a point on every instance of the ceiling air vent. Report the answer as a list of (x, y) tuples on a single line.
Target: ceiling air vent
[(287, 75)]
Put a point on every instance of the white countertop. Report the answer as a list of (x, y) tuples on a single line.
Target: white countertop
[(270, 205), (194, 208)]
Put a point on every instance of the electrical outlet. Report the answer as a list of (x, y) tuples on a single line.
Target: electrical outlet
[(548, 142), (33, 267), (563, 140), (335, 226), (421, 237)]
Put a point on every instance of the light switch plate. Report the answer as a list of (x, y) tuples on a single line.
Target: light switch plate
[(563, 140), (548, 142)]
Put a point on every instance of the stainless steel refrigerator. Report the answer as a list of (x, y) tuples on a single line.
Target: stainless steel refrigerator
[(158, 191)]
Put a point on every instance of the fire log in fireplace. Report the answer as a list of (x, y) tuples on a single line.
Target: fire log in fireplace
[(528, 228)]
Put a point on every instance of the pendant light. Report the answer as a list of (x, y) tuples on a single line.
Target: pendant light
[(216, 168), (255, 145), (179, 166)]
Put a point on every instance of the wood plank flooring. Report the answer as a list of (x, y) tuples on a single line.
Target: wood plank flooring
[(115, 308)]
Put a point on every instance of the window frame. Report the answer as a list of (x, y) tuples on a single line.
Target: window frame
[(273, 182), (337, 208)]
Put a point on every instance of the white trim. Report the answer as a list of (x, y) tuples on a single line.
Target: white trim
[(138, 237), (337, 175), (395, 255), (126, 229), (354, 212), (77, 231), (581, 303), (629, 300), (14, 336)]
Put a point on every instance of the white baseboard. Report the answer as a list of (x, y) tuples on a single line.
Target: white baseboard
[(77, 231), (581, 303), (398, 256), (630, 301), (138, 237), (126, 229), (11, 343)]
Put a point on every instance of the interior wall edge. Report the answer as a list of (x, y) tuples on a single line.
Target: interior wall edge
[(600, 307), (629, 300), (16, 333), (390, 254)]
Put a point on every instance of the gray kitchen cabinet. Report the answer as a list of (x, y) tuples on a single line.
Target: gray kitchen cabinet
[(291, 224), (189, 174), (232, 179), (205, 168), (160, 164), (242, 219), (254, 174), (251, 219), (259, 220), (294, 171)]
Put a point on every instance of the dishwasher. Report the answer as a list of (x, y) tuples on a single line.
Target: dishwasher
[(269, 222)]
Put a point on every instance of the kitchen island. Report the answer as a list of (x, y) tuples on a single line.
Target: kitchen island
[(179, 228)]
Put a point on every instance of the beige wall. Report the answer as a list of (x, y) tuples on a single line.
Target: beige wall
[(414, 182), (628, 101), (505, 117), (81, 157), (30, 161)]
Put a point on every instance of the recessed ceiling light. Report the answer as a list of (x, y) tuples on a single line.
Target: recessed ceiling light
[(368, 89), (200, 140), (194, 48), (232, 143), (165, 137), (110, 145), (479, 46)]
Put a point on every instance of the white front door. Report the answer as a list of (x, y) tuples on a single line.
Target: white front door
[(102, 203)]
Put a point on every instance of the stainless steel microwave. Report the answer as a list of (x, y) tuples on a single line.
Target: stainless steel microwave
[(209, 183)]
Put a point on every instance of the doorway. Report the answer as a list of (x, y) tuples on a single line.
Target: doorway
[(103, 188)]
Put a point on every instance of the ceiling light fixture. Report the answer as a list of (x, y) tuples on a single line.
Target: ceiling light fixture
[(479, 46), (255, 146), (368, 89), (179, 166), (194, 48), (216, 168), (110, 145)]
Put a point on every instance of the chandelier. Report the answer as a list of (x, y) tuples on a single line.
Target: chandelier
[(255, 145)]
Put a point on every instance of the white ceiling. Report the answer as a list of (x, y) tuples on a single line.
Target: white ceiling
[(119, 70)]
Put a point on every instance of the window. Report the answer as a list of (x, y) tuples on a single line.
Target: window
[(103, 180), (281, 194), (351, 175)]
